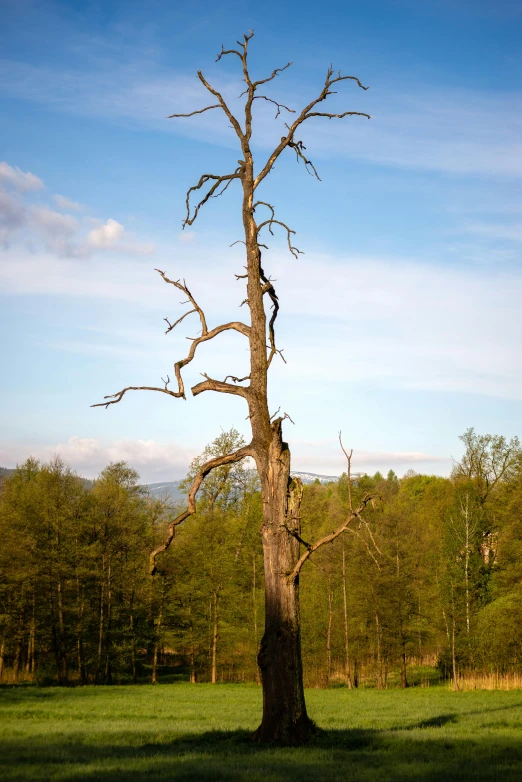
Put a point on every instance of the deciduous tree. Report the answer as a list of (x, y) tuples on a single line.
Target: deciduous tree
[(284, 711)]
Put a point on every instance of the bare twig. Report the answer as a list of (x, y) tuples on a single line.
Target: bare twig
[(279, 105), (354, 514), (307, 113), (294, 250), (209, 384), (349, 460), (191, 114), (218, 180)]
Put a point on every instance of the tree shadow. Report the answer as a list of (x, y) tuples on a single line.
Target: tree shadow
[(360, 755)]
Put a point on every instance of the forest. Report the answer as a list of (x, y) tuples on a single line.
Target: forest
[(425, 585)]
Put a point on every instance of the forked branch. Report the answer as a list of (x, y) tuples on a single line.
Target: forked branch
[(209, 384), (307, 113), (354, 514), (230, 458)]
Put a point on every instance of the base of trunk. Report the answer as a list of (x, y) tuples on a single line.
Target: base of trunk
[(276, 731)]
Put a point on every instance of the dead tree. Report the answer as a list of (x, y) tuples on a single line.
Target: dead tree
[(284, 711)]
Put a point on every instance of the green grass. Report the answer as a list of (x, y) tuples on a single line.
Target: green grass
[(201, 732)]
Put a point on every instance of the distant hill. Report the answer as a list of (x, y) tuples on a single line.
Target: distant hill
[(167, 490), (170, 489)]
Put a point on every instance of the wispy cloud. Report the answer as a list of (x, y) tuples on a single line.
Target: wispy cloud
[(356, 319), (457, 131), (66, 204), (38, 226), (23, 181)]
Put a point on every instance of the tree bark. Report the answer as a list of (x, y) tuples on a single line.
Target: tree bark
[(215, 628), (61, 624), (329, 632), (254, 614), (108, 640), (284, 710), (347, 672), (100, 624), (157, 639), (378, 652), (133, 650)]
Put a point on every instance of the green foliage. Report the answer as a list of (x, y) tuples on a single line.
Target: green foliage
[(432, 572)]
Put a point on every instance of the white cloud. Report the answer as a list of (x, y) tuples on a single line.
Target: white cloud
[(159, 461), (12, 216), (325, 456), (106, 235), (37, 225), (88, 456), (65, 203), (23, 181)]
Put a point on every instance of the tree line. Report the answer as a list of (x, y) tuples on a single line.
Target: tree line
[(430, 575)]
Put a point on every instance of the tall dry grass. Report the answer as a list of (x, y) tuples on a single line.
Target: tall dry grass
[(488, 681)]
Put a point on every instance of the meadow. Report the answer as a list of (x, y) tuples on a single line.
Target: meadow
[(201, 732)]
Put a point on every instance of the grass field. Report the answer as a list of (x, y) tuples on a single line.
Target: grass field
[(201, 732)]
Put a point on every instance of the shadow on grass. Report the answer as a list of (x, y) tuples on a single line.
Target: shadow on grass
[(357, 755)]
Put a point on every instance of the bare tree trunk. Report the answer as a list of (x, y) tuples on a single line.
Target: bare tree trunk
[(79, 638), (466, 560), (347, 672), (215, 600), (453, 655), (378, 651), (18, 654), (133, 650), (108, 640), (157, 636), (404, 678), (192, 650), (80, 608), (329, 632), (61, 625), (284, 709), (254, 614), (284, 712), (2, 653), (29, 666), (192, 665), (101, 623)]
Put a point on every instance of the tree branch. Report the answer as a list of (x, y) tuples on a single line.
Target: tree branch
[(209, 384), (306, 113), (218, 181), (295, 252), (191, 114), (279, 105), (237, 456), (206, 335), (216, 94), (274, 73), (329, 538)]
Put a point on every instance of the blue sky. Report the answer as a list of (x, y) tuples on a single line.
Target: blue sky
[(401, 322)]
